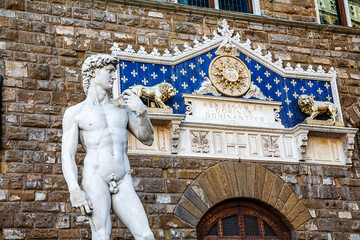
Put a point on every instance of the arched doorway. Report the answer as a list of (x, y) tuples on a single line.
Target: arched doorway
[(242, 219)]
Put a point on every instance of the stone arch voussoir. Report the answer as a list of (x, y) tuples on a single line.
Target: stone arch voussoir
[(228, 180)]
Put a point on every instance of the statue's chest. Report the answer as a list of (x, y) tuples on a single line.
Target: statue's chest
[(103, 117)]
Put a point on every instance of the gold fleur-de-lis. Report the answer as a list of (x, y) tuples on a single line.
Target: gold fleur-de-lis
[(163, 69), (184, 85), (176, 106), (143, 67), (154, 75), (268, 86), (124, 79), (290, 114), (173, 77), (134, 73), (278, 93), (123, 65), (144, 81), (193, 79)]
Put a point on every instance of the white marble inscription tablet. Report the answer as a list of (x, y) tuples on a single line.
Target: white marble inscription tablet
[(232, 111)]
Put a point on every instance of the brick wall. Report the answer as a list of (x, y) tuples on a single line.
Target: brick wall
[(42, 47)]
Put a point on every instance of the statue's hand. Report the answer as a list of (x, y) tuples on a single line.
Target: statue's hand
[(80, 200), (133, 102)]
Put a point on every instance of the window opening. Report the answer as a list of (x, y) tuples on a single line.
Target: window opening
[(242, 219), (329, 12), (229, 5), (354, 11)]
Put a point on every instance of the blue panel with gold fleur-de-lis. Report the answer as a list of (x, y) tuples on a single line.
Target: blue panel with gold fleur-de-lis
[(187, 77)]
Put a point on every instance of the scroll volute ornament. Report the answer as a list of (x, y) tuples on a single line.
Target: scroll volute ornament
[(229, 75)]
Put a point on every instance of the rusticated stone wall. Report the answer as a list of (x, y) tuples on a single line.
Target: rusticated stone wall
[(42, 47)]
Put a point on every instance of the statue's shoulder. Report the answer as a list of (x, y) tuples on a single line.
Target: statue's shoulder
[(73, 111)]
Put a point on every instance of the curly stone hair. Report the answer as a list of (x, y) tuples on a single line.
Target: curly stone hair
[(93, 62)]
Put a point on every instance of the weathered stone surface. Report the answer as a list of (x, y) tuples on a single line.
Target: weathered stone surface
[(185, 215), (196, 200), (14, 233), (268, 184), (16, 69), (240, 169), (191, 208), (206, 186)]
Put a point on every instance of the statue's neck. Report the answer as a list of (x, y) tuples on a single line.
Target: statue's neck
[(97, 96)]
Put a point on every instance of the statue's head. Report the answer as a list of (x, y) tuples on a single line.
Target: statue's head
[(93, 64)]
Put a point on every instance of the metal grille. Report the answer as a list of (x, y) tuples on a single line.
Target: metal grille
[(268, 231), (213, 231), (198, 3), (235, 5), (251, 226), (230, 226), (241, 219)]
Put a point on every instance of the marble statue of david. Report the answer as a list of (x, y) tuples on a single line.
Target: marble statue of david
[(101, 125)]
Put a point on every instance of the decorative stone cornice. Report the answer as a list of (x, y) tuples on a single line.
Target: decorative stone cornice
[(218, 36)]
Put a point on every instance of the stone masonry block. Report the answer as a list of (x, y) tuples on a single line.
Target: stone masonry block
[(191, 208), (186, 216), (250, 179), (269, 181), (260, 173), (208, 189), (277, 186), (240, 169), (10, 233), (196, 200), (289, 204), (16, 69), (231, 176)]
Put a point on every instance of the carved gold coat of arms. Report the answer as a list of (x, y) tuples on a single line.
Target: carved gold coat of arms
[(229, 75)]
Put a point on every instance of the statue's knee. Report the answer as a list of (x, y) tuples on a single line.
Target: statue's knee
[(146, 236), (100, 235)]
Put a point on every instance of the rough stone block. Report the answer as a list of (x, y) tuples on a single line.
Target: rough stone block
[(10, 233), (35, 121), (15, 69), (81, 13), (15, 5)]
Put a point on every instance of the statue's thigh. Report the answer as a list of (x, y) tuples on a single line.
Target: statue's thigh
[(98, 192), (127, 206)]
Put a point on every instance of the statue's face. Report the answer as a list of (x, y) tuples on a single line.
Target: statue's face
[(105, 77)]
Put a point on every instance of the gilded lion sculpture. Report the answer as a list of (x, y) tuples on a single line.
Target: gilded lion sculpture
[(314, 108), (158, 93)]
